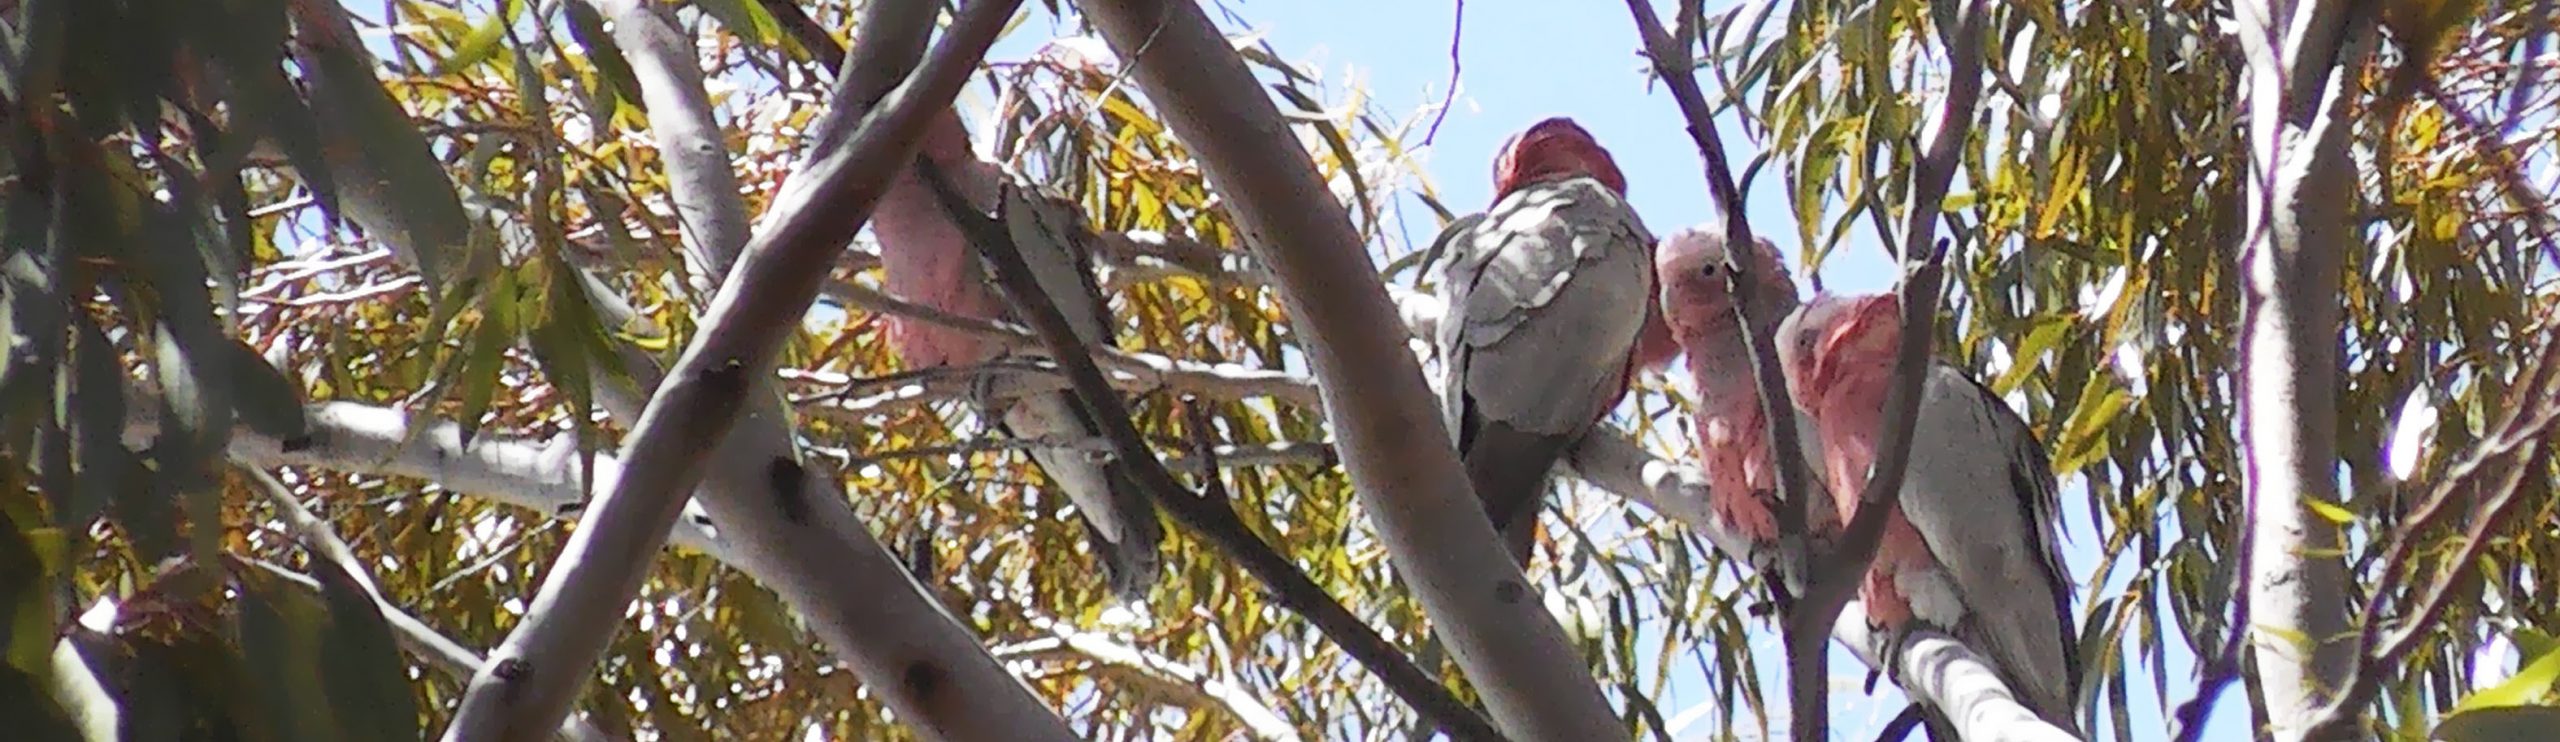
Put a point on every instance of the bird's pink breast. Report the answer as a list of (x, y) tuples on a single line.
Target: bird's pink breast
[(924, 259)]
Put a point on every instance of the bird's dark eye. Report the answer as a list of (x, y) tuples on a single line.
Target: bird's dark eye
[(1709, 270)]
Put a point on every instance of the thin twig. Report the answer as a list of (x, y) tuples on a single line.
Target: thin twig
[(322, 543), (1215, 520), (1457, 33)]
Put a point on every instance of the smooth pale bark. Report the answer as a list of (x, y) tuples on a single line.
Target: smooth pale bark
[(2301, 59)]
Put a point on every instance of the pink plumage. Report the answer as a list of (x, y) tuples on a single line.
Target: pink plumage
[(924, 258)]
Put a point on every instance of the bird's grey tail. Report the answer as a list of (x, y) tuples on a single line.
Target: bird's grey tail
[(1120, 520), (1509, 470), (1133, 566)]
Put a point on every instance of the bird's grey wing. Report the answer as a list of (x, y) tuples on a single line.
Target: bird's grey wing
[(1981, 492), (1054, 241), (1562, 273)]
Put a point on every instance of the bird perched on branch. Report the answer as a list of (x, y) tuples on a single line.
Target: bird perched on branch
[(1733, 435), (1972, 546), (1548, 293), (927, 260)]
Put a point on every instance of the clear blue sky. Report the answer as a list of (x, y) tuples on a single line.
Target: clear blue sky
[(1522, 60)]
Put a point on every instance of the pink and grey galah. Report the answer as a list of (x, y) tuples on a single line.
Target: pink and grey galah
[(927, 260), (1551, 313), (1733, 435), (1972, 546)]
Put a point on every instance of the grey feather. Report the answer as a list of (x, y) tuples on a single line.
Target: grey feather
[(2003, 553), (1546, 293), (1126, 533)]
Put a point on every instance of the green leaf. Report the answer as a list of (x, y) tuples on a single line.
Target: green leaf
[(281, 627), (106, 468), (486, 354), (367, 680), (745, 18), (31, 710), (2506, 724), (2029, 352), (35, 52), (389, 180), (245, 39), (29, 606), (266, 401), (2530, 684), (611, 64), (482, 44)]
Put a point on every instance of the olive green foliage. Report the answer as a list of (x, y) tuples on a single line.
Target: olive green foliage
[(216, 211)]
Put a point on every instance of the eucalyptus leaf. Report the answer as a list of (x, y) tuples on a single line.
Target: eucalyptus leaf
[(367, 679)]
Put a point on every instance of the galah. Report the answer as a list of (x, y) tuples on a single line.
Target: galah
[(1731, 428), (1548, 293), (1971, 547), (928, 261)]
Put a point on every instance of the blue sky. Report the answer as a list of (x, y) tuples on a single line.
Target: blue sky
[(1521, 60)]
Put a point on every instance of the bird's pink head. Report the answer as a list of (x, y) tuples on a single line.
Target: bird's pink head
[(1696, 290), (1551, 149), (1839, 345)]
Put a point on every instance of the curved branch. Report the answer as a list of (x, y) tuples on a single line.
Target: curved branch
[(1148, 371)]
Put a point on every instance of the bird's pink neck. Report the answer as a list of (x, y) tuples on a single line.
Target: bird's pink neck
[(1851, 413)]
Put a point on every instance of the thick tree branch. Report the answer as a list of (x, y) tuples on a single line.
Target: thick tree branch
[(1808, 682), (1838, 575), (702, 182), (2301, 60), (1394, 446), (356, 438), (794, 532), (837, 576), (1213, 519), (1673, 62), (537, 670)]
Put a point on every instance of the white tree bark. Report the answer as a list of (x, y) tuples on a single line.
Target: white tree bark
[(2301, 70)]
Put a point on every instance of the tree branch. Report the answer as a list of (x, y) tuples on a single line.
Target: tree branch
[(1808, 683), (2300, 72), (537, 670), (1192, 684), (1386, 423), (1213, 519), (1148, 371)]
